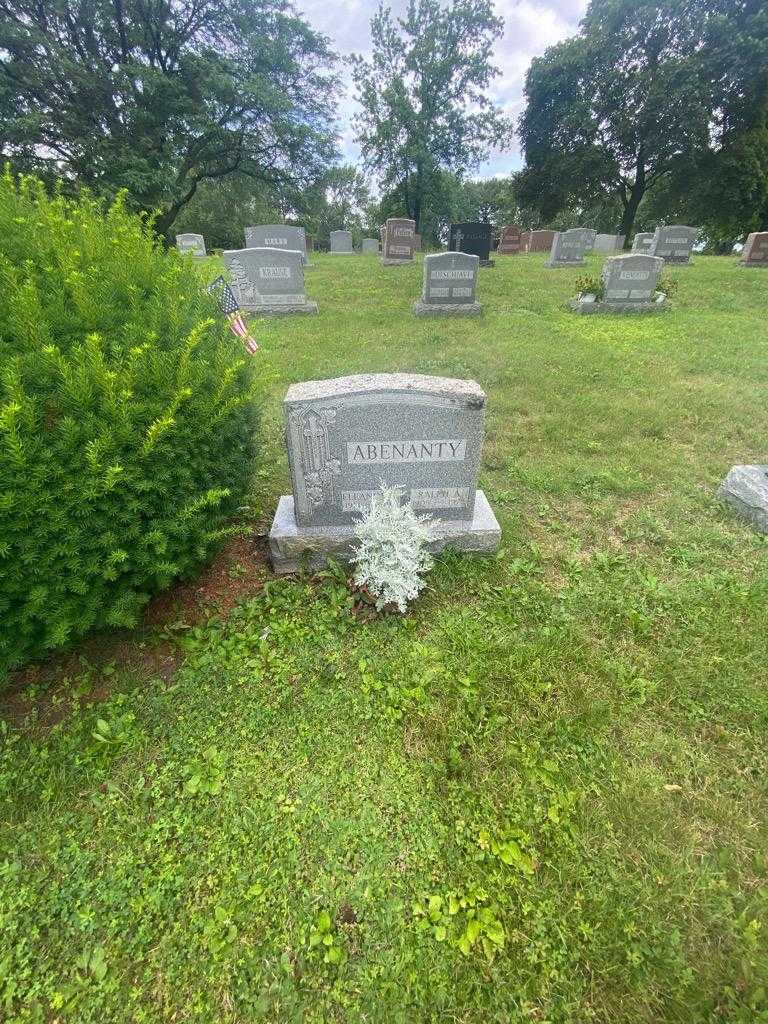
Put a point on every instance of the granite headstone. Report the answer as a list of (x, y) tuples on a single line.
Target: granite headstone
[(449, 286), (341, 243), (277, 236), (568, 248), (370, 245), (673, 243), (755, 251), (608, 243), (630, 283), (191, 244), (539, 241), (511, 240), (399, 235), (473, 238), (268, 281), (642, 241), (745, 489), (347, 436)]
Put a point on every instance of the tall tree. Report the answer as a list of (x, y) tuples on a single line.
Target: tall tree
[(337, 200), (422, 94), (617, 108), (157, 97)]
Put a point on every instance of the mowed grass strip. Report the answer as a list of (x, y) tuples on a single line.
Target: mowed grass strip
[(541, 796)]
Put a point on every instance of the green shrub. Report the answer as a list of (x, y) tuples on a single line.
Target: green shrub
[(127, 419)]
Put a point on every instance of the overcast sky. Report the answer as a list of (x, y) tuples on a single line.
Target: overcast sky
[(530, 27)]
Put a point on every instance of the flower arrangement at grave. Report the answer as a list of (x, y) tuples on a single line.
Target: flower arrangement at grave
[(391, 559), (127, 418)]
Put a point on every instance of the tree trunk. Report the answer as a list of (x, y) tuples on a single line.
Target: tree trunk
[(631, 204)]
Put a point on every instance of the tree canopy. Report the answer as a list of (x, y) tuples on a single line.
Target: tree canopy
[(645, 98), (159, 97), (422, 93)]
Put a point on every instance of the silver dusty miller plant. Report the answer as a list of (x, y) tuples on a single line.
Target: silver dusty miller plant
[(392, 557)]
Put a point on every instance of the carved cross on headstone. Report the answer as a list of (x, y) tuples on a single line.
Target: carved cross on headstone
[(459, 238)]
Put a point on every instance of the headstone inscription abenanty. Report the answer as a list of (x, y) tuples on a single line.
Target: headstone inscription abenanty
[(673, 243), (473, 238), (755, 251), (191, 244), (450, 284), (568, 247), (268, 281), (277, 236), (630, 285), (341, 243), (511, 240), (345, 437), (399, 241)]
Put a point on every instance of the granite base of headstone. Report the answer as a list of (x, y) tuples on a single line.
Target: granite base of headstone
[(745, 489), (630, 284), (269, 282), (347, 436), (449, 286)]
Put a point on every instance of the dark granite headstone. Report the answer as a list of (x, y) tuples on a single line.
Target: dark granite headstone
[(473, 238)]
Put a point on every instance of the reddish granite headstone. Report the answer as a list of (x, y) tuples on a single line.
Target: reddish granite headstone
[(511, 241), (755, 252), (540, 241)]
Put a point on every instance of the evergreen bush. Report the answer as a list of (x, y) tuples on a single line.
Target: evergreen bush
[(127, 418)]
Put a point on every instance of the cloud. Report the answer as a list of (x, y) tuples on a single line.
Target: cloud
[(530, 26)]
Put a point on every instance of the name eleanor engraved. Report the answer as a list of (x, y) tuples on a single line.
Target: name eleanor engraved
[(369, 453)]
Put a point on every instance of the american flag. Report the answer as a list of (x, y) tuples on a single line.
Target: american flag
[(230, 308)]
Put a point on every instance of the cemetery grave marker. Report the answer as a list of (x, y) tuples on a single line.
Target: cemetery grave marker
[(345, 437), (449, 285), (745, 489), (755, 251), (608, 243), (539, 241), (589, 239), (191, 244), (277, 236), (370, 245), (268, 281), (630, 284), (474, 238), (398, 246), (642, 241), (511, 240), (417, 242), (673, 243), (341, 243), (568, 248)]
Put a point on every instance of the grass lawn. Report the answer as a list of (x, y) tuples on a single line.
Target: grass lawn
[(541, 796)]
